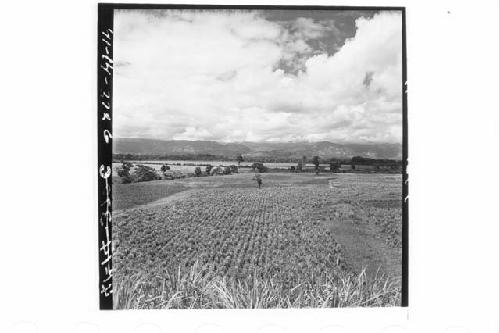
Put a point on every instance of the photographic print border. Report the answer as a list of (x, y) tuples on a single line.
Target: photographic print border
[(105, 130)]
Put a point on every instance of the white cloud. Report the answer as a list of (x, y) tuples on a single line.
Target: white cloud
[(213, 76)]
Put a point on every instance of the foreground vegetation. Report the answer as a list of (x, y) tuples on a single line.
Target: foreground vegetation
[(228, 244), (194, 290)]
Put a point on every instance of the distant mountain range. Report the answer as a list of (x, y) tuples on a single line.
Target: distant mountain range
[(278, 150)]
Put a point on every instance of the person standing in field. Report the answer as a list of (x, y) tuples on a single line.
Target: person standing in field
[(258, 179)]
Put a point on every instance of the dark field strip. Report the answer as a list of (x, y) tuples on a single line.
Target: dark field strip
[(136, 194)]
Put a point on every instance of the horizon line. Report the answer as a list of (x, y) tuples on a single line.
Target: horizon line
[(298, 141)]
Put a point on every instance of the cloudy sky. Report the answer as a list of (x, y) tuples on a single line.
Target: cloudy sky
[(258, 75)]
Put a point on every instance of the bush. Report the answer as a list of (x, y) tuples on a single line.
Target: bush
[(197, 171), (334, 167), (124, 172), (164, 168), (208, 168), (259, 167), (143, 173)]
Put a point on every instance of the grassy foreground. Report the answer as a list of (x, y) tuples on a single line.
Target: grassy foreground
[(193, 290)]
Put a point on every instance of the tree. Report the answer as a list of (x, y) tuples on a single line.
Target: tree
[(124, 172), (299, 166), (164, 168), (239, 159), (259, 167), (197, 171), (127, 165), (334, 166), (315, 161), (208, 168)]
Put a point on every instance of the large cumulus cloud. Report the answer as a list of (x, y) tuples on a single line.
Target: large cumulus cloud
[(215, 76)]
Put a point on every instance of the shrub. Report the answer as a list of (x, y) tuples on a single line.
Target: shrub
[(164, 168), (143, 173), (197, 171), (127, 165), (259, 167), (208, 168), (334, 167), (124, 172)]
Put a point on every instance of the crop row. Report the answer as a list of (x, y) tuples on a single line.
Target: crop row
[(235, 233)]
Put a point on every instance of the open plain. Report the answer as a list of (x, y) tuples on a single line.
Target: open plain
[(221, 242)]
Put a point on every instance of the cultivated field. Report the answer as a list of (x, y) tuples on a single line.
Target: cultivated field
[(220, 242)]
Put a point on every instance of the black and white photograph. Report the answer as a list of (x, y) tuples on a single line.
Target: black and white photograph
[(258, 167), (257, 158)]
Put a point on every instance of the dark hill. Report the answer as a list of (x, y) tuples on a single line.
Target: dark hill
[(278, 150)]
